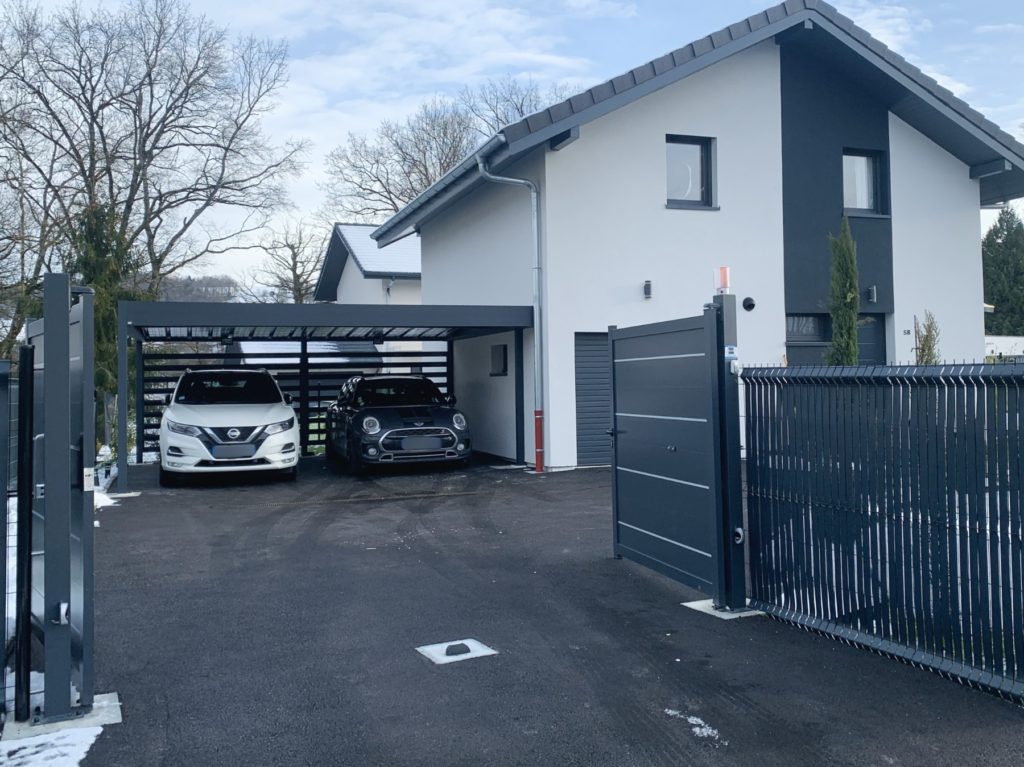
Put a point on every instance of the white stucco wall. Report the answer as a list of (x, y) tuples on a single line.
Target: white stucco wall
[(489, 401), (607, 228), (480, 251), (936, 247), (354, 288)]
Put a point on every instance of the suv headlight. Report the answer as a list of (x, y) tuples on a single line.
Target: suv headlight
[(371, 425), (184, 428), (277, 428), (459, 421)]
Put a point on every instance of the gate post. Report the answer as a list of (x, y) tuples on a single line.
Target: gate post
[(732, 582)]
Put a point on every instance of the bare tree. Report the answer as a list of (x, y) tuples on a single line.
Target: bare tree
[(372, 178), (220, 288), (504, 100), (290, 271), (149, 111)]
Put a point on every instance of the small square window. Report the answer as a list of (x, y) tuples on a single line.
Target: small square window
[(499, 360), (862, 181), (689, 171)]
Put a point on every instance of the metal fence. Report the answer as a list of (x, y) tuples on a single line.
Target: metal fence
[(885, 510)]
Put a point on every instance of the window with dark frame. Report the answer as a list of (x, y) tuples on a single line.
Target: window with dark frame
[(689, 170), (862, 181), (499, 360)]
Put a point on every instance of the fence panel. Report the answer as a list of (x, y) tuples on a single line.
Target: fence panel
[(885, 510)]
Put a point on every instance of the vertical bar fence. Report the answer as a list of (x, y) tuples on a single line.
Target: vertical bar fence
[(884, 510)]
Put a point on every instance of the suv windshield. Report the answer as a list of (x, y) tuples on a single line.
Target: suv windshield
[(388, 392), (220, 387)]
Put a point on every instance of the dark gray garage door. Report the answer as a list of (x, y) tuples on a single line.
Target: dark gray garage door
[(593, 400)]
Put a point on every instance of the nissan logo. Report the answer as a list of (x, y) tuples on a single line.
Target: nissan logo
[(234, 433)]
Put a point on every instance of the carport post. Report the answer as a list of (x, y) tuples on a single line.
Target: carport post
[(140, 403), (122, 400), (304, 395)]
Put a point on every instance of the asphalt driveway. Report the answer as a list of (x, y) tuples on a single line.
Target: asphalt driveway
[(275, 624)]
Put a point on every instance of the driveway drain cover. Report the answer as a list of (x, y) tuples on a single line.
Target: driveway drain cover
[(459, 649)]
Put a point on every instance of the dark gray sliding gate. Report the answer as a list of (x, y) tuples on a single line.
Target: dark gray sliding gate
[(885, 510), (56, 420), (671, 463)]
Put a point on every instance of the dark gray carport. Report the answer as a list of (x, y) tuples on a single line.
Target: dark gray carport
[(144, 322)]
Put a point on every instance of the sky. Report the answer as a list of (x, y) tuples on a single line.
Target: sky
[(358, 62)]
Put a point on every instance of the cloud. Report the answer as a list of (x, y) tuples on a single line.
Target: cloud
[(601, 8), (998, 29), (894, 25)]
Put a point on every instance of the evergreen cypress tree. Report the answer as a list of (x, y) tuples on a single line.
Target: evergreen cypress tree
[(844, 305), (1002, 255)]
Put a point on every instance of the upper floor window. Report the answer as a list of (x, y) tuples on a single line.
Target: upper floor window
[(690, 170), (862, 181)]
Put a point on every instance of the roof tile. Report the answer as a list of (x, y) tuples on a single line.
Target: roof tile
[(643, 73), (623, 82), (720, 38), (581, 101), (602, 92), (663, 63)]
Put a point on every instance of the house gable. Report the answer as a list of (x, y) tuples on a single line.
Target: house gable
[(995, 157)]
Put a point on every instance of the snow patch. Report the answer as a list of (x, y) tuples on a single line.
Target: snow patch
[(65, 748), (699, 727), (100, 499)]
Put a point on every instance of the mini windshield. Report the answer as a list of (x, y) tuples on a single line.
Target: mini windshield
[(227, 388), (389, 392)]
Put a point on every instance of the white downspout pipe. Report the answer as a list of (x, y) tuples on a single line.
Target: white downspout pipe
[(538, 314)]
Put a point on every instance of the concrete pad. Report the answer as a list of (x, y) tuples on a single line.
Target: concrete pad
[(106, 709), (436, 652), (707, 607)]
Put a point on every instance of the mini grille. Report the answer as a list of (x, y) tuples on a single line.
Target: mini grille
[(424, 432)]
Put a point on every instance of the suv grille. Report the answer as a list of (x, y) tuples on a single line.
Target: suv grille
[(220, 433)]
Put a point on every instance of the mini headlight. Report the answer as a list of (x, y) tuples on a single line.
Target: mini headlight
[(371, 425), (184, 428), (277, 428), (459, 421)]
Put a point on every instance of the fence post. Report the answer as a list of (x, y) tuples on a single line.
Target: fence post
[(732, 583), (23, 620)]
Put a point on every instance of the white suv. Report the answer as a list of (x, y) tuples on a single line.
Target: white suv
[(227, 420)]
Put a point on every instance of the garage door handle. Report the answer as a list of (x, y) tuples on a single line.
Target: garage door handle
[(611, 432)]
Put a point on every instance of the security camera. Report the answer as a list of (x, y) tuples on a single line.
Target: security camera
[(748, 304)]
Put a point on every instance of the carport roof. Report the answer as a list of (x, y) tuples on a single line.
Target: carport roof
[(165, 321)]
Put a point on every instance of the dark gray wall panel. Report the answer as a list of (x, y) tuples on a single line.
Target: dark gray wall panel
[(825, 111), (593, 400)]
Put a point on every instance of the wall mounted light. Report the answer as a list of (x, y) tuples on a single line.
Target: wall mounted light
[(647, 288), (873, 294)]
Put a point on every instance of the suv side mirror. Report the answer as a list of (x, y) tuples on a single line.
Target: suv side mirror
[(288, 399)]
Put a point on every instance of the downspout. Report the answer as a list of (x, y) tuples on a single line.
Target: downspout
[(538, 327)]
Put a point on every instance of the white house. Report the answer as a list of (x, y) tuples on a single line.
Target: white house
[(745, 148), (356, 271)]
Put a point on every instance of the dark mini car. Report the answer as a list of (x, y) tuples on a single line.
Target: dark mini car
[(390, 419)]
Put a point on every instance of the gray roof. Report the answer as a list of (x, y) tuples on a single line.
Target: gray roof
[(913, 96), (400, 260)]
